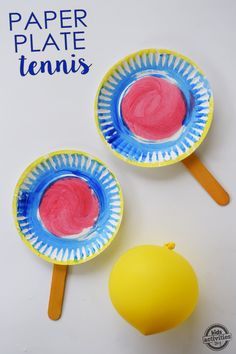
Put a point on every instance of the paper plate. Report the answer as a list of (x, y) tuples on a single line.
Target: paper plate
[(41, 189), (180, 73)]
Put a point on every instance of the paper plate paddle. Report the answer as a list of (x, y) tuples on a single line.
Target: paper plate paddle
[(154, 108), (68, 208)]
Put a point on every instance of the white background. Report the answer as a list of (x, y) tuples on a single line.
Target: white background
[(41, 114)]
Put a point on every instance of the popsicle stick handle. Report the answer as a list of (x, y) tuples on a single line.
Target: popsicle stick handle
[(206, 179), (57, 291)]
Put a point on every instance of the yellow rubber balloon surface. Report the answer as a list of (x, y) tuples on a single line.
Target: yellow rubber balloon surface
[(153, 288)]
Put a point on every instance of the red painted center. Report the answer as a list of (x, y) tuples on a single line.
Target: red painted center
[(68, 207), (153, 108)]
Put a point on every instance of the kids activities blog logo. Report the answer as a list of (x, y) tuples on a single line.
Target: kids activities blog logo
[(61, 32), (216, 337)]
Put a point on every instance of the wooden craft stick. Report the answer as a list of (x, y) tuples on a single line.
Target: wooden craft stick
[(206, 179), (57, 291)]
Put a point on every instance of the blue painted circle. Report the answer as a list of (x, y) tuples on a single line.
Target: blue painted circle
[(191, 82), (33, 186)]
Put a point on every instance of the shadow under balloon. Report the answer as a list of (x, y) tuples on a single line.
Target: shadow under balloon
[(186, 332), (175, 340)]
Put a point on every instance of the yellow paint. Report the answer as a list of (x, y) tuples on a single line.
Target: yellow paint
[(162, 163), (21, 181), (153, 288)]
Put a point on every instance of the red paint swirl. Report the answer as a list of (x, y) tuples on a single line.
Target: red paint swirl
[(68, 207), (153, 108)]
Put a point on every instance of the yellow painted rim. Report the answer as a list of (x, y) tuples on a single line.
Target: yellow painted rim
[(162, 163), (15, 198)]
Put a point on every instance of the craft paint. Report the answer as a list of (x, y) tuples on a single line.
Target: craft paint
[(153, 108), (68, 207)]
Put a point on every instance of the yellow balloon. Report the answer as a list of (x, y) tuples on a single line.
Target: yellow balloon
[(153, 288)]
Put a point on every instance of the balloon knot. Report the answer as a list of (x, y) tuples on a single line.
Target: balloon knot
[(170, 245)]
